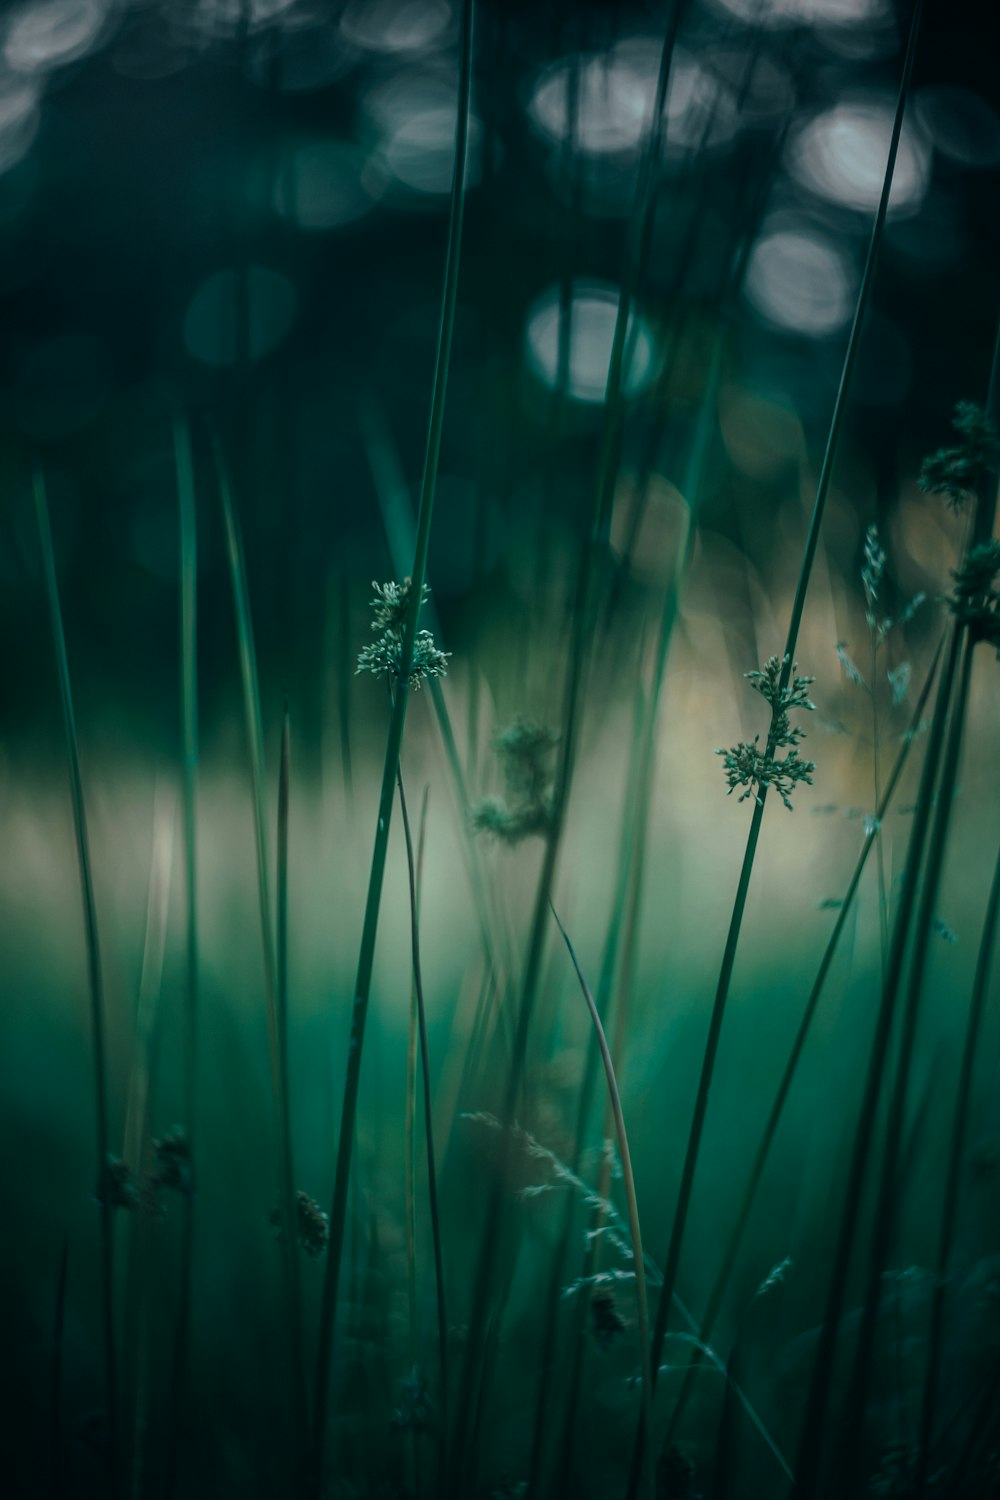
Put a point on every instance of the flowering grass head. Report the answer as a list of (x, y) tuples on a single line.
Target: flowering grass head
[(524, 748), (975, 599), (755, 768), (383, 656), (956, 472)]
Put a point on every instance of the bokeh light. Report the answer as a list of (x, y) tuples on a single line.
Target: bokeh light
[(592, 319), (841, 155), (799, 282), (18, 120), (616, 93), (51, 33), (318, 185), (414, 120), (211, 320), (804, 12), (300, 58), (395, 25)]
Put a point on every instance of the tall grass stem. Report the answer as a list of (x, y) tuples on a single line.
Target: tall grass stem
[(397, 719), (95, 980)]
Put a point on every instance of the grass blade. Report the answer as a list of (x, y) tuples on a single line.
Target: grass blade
[(57, 1488), (95, 978), (776, 1111), (276, 1038), (646, 1476), (366, 955), (956, 1151), (692, 1152), (425, 1065), (189, 781)]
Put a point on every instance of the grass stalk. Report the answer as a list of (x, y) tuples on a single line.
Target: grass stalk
[(189, 792), (136, 1360), (276, 1035), (890, 1187), (410, 1145), (432, 1187), (583, 617), (808, 1468), (883, 901), (57, 1481), (628, 1180), (400, 533), (95, 980), (632, 820), (397, 719), (762, 1154), (956, 1152), (672, 1262)]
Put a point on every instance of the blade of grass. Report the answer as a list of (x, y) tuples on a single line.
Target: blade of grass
[(136, 1359), (808, 1471), (692, 1152), (885, 1213), (646, 1478), (956, 1152), (432, 1189), (715, 1299), (583, 620), (189, 780), (95, 980), (410, 1145), (276, 1036), (362, 989), (811, 1441), (630, 823), (400, 533), (57, 1483)]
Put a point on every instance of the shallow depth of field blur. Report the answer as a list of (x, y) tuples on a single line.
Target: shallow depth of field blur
[(235, 212)]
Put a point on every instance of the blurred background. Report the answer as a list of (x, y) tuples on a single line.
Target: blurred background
[(235, 211)]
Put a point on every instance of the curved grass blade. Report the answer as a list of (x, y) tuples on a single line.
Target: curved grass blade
[(95, 978), (646, 1477)]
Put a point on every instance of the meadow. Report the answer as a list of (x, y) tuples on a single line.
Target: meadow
[(524, 1025)]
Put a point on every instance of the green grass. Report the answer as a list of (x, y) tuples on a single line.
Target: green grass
[(472, 1304)]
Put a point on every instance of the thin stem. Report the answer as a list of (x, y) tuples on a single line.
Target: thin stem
[(883, 902), (583, 618), (951, 701), (366, 955), (890, 1187), (633, 820), (278, 1062), (805, 572), (432, 1192), (95, 977), (777, 1109), (628, 1179), (811, 1445), (959, 1128), (189, 783), (57, 1487)]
